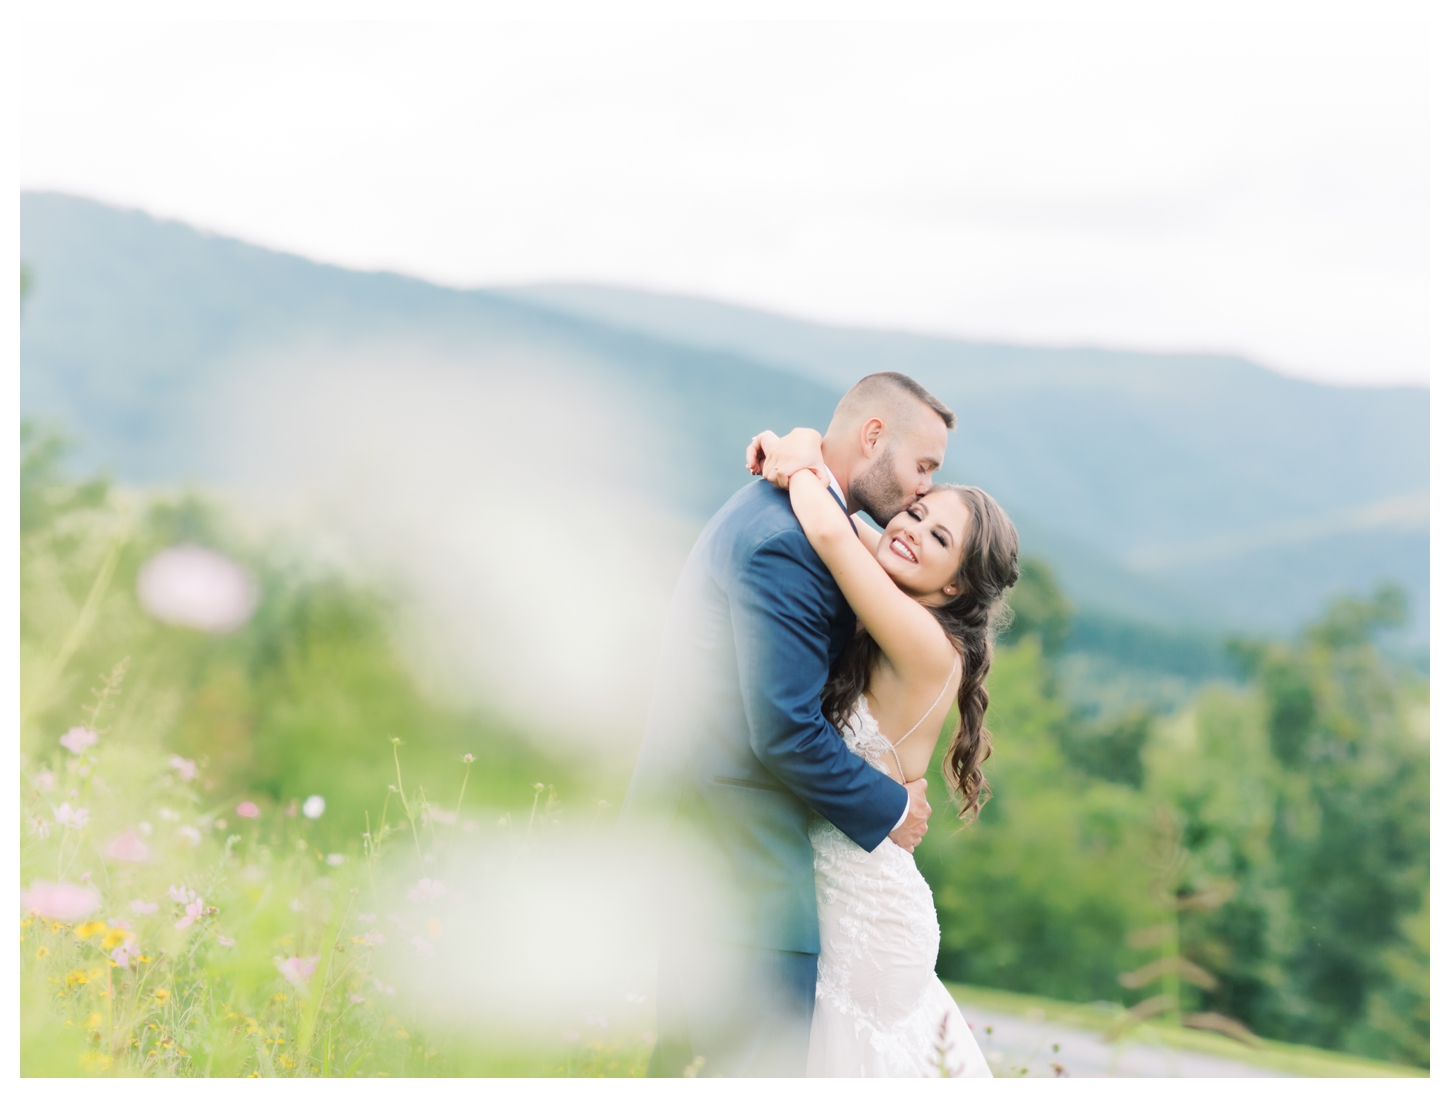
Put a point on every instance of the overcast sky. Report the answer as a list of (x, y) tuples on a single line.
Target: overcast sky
[(1257, 187)]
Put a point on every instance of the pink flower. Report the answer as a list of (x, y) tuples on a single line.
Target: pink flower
[(384, 988), (426, 891), (127, 847), (78, 739), (141, 907), (75, 818), (181, 894), (297, 969), (248, 811), (354, 997), (194, 911), (185, 768), (44, 781), (222, 939), (61, 902), (126, 952)]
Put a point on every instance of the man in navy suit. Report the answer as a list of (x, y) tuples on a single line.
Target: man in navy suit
[(737, 753)]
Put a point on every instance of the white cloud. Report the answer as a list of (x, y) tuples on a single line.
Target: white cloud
[(1261, 187)]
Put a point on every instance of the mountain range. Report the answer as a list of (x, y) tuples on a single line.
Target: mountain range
[(1182, 490)]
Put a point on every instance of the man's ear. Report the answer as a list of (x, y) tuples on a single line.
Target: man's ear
[(872, 431)]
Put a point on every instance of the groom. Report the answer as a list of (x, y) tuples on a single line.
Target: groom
[(737, 754)]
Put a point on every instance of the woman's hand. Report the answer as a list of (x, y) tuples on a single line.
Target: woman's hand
[(759, 449), (779, 459)]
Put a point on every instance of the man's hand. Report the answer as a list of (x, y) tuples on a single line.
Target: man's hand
[(913, 828)]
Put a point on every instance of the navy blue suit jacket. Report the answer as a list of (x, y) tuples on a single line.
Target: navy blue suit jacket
[(736, 751)]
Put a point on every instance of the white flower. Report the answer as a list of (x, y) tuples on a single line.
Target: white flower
[(313, 807), (422, 946), (38, 827), (335, 860), (426, 891), (75, 818), (185, 768), (78, 739), (169, 815), (190, 834)]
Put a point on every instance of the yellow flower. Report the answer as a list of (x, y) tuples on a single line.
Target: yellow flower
[(162, 994), (114, 937), (86, 930), (76, 977), (94, 1021), (41, 952), (95, 1061)]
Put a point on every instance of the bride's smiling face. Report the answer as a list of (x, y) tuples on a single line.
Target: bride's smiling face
[(922, 546)]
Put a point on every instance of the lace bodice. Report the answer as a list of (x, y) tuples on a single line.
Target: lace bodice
[(880, 1009), (863, 736)]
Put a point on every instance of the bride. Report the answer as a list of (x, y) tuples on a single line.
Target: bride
[(928, 596)]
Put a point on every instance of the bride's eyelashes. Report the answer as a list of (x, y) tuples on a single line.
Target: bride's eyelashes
[(914, 512)]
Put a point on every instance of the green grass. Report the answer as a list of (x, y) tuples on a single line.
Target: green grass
[(1298, 1060)]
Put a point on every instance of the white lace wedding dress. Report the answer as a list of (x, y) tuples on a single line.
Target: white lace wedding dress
[(880, 1009)]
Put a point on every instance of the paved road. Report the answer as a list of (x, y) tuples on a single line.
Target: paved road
[(1012, 1042)]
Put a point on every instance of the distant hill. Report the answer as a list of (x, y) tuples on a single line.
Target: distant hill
[(1181, 489)]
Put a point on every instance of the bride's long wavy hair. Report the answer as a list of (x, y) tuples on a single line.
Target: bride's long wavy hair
[(971, 621)]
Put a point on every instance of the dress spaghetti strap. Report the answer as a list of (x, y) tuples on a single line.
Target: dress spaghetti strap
[(930, 710)]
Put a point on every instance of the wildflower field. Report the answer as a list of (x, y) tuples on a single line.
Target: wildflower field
[(278, 900)]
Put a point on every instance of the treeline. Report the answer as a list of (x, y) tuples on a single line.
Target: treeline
[(1259, 857)]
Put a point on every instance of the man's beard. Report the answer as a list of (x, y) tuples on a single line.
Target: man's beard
[(877, 491)]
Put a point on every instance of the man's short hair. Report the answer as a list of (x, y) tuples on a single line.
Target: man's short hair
[(890, 386)]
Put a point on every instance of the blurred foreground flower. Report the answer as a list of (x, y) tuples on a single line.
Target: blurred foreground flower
[(185, 768), (248, 811), (78, 739), (195, 587), (297, 969), (127, 847), (336, 860), (75, 818), (313, 807), (190, 834), (426, 891), (44, 781), (141, 907)]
